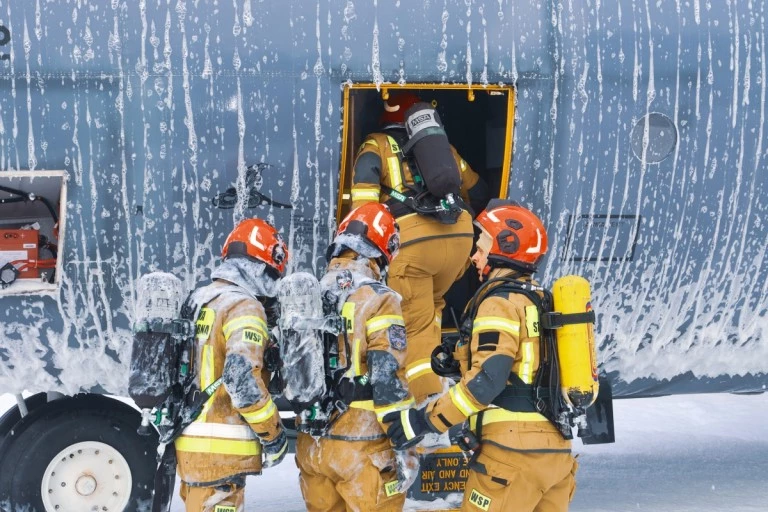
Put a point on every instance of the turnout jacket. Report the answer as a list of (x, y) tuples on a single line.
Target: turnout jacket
[(223, 442), (380, 161), (377, 343), (504, 349)]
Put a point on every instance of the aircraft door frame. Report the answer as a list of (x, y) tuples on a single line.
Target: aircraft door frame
[(356, 123)]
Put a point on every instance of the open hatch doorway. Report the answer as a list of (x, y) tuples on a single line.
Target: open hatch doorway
[(479, 122)]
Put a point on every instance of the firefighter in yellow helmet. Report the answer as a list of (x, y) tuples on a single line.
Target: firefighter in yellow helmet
[(434, 251), (347, 462), (238, 431), (523, 463)]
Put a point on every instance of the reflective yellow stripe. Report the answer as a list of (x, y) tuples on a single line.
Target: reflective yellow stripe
[(356, 357), (397, 406), (217, 446), (379, 323), (366, 405), (371, 142), (207, 370), (496, 323), (278, 454), (245, 322), (396, 182), (348, 314), (496, 415), (532, 320), (417, 369), (393, 162), (366, 194), (526, 365), (438, 320), (204, 323), (462, 401), (393, 145), (261, 414), (463, 165)]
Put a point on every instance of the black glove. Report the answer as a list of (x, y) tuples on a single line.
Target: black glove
[(407, 427), (275, 450), (466, 440)]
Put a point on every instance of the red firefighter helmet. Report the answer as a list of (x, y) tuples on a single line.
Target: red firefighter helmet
[(396, 105), (369, 230), (519, 239), (258, 240)]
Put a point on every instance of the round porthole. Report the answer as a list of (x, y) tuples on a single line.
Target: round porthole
[(662, 137)]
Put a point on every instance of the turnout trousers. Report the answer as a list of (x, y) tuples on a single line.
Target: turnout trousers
[(432, 257), (508, 481), (347, 476)]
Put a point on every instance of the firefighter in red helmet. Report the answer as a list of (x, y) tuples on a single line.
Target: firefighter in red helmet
[(434, 251), (238, 431), (523, 462), (350, 464)]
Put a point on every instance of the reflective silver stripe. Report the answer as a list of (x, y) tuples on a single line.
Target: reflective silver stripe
[(219, 430)]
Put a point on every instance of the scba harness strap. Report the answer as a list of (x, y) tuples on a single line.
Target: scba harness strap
[(542, 396), (417, 198), (341, 390)]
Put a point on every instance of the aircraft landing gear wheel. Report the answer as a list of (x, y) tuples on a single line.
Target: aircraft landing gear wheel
[(90, 472), (78, 460)]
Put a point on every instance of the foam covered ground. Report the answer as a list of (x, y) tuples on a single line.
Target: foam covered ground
[(682, 453)]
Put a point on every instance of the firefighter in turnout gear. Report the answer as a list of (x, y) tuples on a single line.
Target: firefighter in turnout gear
[(352, 465), (433, 254), (238, 431), (523, 463)]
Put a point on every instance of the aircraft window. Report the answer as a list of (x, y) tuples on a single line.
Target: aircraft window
[(479, 123), (662, 137), (31, 227)]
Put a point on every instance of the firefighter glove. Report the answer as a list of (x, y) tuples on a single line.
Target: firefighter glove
[(407, 427), (275, 450)]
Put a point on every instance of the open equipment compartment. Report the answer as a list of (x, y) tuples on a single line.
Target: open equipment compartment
[(32, 227)]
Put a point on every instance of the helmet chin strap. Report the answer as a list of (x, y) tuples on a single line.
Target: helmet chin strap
[(509, 264)]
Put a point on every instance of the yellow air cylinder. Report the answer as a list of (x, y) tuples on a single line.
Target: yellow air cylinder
[(576, 343)]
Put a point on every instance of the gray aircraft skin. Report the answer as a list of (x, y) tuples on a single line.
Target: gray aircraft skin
[(639, 138)]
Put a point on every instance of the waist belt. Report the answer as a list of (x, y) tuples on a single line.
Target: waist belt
[(397, 209), (350, 391), (516, 397)]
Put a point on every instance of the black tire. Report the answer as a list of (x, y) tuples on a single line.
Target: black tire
[(12, 416), (58, 425)]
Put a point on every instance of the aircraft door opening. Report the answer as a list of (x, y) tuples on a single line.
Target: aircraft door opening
[(479, 123)]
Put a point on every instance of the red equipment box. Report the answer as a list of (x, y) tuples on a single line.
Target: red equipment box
[(20, 244)]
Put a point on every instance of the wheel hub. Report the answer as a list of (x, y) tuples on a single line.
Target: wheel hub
[(88, 476), (85, 485)]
